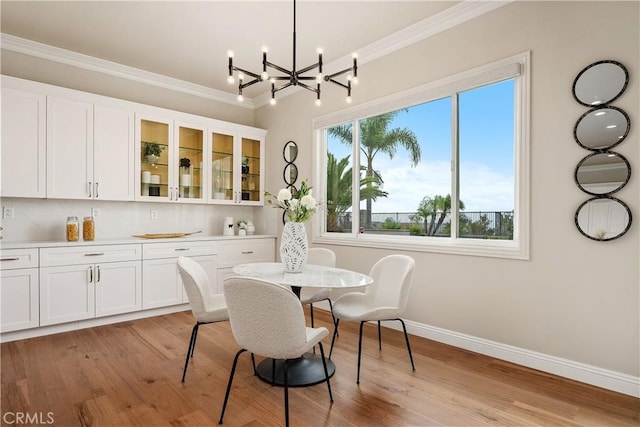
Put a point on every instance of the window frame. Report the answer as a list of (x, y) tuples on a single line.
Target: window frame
[(517, 66)]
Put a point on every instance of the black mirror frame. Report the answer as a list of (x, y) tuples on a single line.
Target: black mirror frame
[(622, 233), (601, 107), (608, 193), (587, 68)]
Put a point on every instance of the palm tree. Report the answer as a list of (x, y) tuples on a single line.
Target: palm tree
[(339, 190), (433, 211), (375, 137)]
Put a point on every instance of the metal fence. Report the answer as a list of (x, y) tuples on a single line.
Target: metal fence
[(483, 223)]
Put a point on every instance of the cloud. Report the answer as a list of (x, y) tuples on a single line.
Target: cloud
[(481, 188)]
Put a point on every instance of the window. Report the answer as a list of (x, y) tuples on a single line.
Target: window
[(439, 168)]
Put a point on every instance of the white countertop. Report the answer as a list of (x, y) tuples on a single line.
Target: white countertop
[(123, 241)]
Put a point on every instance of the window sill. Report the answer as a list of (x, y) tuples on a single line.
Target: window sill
[(511, 249)]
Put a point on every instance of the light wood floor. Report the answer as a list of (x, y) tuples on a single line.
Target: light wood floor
[(128, 374)]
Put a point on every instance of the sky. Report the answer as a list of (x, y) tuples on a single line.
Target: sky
[(486, 152)]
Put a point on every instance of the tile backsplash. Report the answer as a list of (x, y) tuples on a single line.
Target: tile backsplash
[(45, 219)]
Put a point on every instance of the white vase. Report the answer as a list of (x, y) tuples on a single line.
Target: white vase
[(293, 247)]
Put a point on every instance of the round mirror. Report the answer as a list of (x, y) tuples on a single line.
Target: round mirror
[(603, 218), (601, 128), (600, 83), (290, 174), (602, 173), (290, 152)]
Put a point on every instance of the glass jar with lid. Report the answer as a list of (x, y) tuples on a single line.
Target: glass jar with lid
[(88, 228), (73, 229)]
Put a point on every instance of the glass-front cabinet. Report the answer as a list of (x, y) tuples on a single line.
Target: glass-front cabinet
[(199, 162), (237, 162), (171, 156), (190, 180)]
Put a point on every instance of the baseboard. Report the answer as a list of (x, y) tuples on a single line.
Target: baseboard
[(89, 323), (604, 378)]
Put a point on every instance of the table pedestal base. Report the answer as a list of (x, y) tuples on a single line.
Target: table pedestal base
[(303, 371)]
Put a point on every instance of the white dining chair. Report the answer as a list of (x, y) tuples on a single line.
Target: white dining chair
[(267, 320), (385, 299), (206, 306), (309, 295)]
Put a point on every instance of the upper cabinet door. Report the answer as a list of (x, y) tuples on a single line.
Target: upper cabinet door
[(23, 144), (154, 155), (251, 180), (69, 149), (237, 168), (191, 167), (113, 154), (222, 168)]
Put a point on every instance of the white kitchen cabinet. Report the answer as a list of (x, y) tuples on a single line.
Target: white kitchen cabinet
[(162, 284), (237, 157), (89, 151), (23, 144), (234, 252), (170, 159), (83, 282), (19, 290)]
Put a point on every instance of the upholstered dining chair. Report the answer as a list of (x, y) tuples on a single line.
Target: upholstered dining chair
[(385, 299), (308, 295), (267, 320), (206, 306)]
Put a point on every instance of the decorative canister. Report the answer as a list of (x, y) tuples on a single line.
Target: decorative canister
[(73, 229), (88, 228)]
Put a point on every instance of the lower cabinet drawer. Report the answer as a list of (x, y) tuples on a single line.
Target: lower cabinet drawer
[(239, 252)]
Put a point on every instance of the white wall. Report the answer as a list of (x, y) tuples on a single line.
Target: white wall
[(575, 299)]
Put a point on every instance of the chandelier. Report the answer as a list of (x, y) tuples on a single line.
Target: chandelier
[(293, 77)]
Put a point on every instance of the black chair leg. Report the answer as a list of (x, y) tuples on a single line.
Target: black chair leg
[(311, 313), (332, 316), (333, 340), (286, 394), (379, 337), (192, 343), (253, 362), (359, 351), (273, 372), (195, 338), (226, 395), (326, 371), (406, 337)]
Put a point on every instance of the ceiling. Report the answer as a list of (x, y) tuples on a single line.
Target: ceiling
[(189, 40)]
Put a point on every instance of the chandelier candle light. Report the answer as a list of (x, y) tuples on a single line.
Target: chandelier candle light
[(292, 77), (298, 208)]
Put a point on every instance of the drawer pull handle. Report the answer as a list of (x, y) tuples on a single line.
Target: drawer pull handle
[(95, 254), (10, 259), (90, 272), (247, 252), (98, 273), (181, 249)]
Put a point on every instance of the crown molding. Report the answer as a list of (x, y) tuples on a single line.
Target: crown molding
[(63, 56), (449, 18)]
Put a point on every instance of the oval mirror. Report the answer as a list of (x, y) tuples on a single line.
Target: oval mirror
[(602, 173), (290, 151), (601, 128), (600, 83), (290, 174), (603, 218)]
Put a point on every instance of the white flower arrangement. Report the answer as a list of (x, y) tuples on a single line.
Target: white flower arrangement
[(299, 207), (242, 224)]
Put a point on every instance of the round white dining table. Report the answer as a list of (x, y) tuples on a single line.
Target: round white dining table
[(308, 369)]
